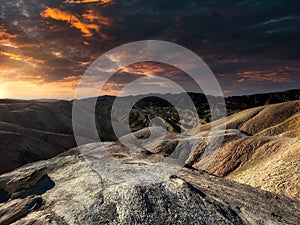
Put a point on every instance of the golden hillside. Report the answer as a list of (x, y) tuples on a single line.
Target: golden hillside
[(268, 156)]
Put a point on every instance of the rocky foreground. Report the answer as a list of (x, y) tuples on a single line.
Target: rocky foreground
[(132, 187)]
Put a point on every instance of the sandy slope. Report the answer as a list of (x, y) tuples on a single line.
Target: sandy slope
[(268, 157)]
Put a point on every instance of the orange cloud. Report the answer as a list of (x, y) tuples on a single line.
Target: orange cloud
[(111, 89), (21, 58), (6, 39), (262, 76), (227, 91), (96, 16), (71, 78), (73, 20), (5, 35), (19, 75), (241, 80), (147, 68), (90, 1)]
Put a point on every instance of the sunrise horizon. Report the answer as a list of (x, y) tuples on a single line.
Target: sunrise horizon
[(154, 94), (46, 49)]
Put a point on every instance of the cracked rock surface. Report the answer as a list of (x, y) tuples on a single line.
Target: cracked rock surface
[(132, 188)]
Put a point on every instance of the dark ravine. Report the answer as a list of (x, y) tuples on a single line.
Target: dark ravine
[(83, 194)]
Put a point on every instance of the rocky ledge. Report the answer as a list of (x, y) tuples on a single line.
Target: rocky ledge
[(127, 187)]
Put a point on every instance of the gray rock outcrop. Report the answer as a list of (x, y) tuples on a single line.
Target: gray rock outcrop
[(132, 188)]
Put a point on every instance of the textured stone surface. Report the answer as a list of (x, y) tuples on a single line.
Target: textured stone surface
[(19, 208), (137, 189)]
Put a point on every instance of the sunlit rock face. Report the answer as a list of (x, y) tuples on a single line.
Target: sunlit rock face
[(134, 188)]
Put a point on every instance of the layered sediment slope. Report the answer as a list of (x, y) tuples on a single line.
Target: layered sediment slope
[(267, 156), (33, 130)]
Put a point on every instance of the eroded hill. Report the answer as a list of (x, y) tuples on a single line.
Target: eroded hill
[(267, 155)]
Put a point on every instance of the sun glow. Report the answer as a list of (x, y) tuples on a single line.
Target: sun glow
[(2, 91), (64, 89)]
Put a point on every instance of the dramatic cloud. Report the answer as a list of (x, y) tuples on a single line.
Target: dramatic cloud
[(6, 39), (251, 46), (21, 58), (56, 14), (90, 1)]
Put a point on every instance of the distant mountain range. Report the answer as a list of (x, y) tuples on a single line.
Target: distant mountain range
[(33, 130)]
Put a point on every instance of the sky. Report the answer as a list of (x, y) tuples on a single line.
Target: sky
[(46, 46)]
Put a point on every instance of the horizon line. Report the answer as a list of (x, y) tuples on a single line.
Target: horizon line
[(107, 95)]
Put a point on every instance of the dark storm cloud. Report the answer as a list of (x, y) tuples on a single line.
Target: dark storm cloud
[(233, 37), (152, 69)]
